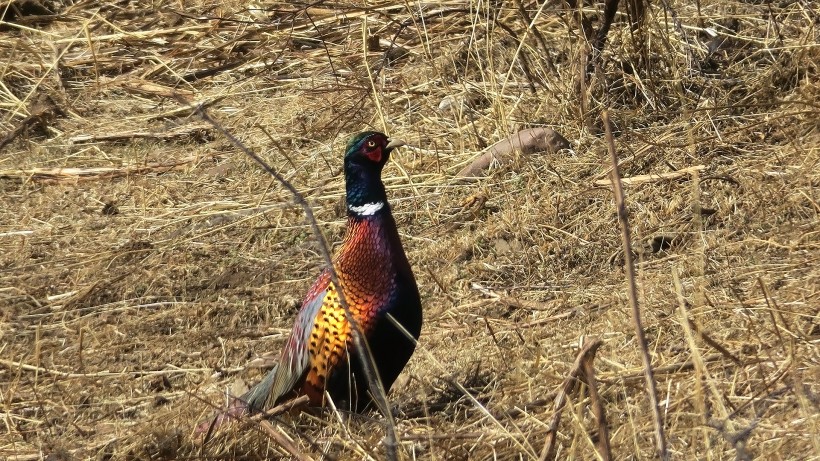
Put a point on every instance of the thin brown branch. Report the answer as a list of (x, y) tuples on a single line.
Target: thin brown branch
[(283, 441), (283, 407), (713, 343), (629, 267), (594, 40), (636, 9), (597, 404), (642, 178), (18, 366), (587, 353), (539, 37)]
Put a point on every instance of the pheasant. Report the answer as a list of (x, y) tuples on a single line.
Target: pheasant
[(320, 356)]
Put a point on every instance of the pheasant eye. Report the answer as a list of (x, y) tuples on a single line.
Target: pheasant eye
[(371, 144)]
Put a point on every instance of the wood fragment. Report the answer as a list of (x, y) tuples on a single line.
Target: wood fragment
[(17, 366), (238, 412), (142, 86), (283, 407), (528, 141), (509, 300), (610, 8), (153, 34), (653, 177)]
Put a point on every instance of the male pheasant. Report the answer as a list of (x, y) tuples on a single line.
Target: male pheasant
[(377, 280)]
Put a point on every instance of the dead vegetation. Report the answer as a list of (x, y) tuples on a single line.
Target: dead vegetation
[(145, 262)]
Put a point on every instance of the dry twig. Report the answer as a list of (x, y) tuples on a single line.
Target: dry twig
[(604, 448), (653, 177), (587, 353), (283, 441), (632, 291)]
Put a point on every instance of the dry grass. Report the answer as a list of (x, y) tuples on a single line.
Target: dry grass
[(131, 301)]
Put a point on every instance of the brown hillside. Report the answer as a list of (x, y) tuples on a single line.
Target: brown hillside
[(147, 265)]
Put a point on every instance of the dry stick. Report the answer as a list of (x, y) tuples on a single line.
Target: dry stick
[(191, 130), (542, 43), (282, 408), (598, 409), (588, 350), (283, 441), (770, 310), (713, 343), (629, 267), (365, 356), (642, 178)]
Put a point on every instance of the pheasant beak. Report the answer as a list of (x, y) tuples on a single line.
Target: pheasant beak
[(394, 143)]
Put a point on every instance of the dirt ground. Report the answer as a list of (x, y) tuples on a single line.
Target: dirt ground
[(147, 266)]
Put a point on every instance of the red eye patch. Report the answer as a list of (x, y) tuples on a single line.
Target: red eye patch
[(374, 154)]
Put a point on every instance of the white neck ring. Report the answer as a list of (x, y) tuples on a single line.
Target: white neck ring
[(368, 209)]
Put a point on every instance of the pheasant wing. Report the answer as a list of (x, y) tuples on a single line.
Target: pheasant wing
[(291, 368), (294, 359)]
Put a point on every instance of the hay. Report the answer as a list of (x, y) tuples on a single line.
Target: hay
[(132, 299)]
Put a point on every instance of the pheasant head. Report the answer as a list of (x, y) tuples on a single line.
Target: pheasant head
[(365, 157)]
